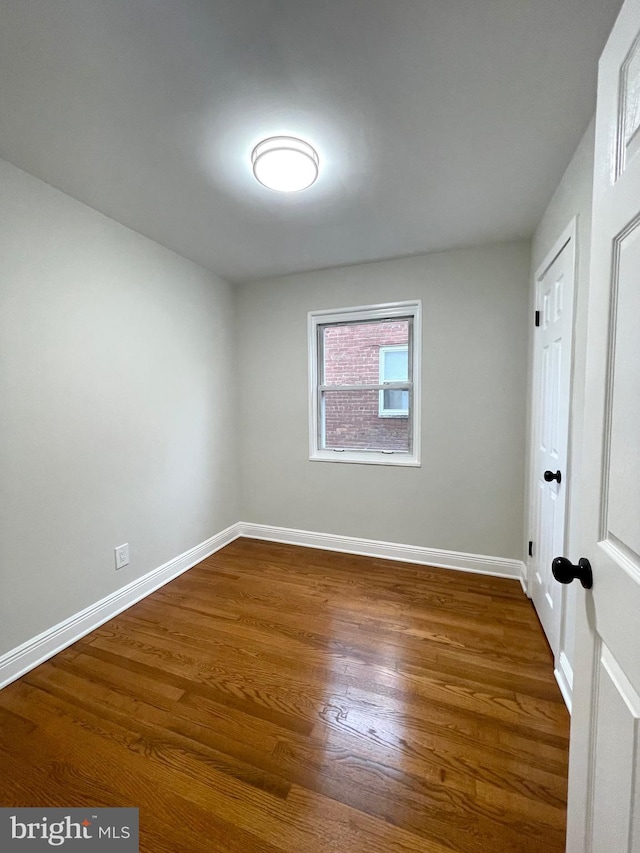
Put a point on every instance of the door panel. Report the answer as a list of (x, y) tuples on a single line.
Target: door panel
[(554, 295), (622, 497), (629, 140), (604, 772), (617, 731)]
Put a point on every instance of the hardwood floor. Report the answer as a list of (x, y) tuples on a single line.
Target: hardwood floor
[(285, 699)]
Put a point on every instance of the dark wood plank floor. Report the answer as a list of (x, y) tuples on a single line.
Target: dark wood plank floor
[(285, 699)]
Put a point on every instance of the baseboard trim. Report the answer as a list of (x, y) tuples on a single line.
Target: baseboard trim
[(456, 560), (26, 657), (20, 660), (564, 676), (523, 580)]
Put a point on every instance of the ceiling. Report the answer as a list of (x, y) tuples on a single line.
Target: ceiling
[(439, 123)]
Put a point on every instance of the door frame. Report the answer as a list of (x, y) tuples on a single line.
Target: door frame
[(563, 671)]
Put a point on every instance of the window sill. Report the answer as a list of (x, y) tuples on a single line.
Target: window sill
[(396, 460)]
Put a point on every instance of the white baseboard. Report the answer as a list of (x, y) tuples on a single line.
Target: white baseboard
[(27, 656), (457, 560), (524, 580), (564, 676)]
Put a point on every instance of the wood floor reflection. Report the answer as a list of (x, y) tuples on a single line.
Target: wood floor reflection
[(277, 698)]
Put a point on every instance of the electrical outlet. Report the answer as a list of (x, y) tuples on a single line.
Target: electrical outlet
[(122, 556)]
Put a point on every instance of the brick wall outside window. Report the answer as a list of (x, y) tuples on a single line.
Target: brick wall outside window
[(352, 355)]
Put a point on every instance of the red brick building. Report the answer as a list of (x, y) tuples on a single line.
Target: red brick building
[(366, 353)]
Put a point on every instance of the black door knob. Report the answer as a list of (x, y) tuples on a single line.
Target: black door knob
[(549, 476), (564, 571)]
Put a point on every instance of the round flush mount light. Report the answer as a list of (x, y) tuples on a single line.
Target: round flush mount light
[(285, 164)]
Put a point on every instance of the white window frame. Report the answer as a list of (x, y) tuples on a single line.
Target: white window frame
[(382, 411), (390, 311)]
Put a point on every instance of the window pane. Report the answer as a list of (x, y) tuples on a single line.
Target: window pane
[(351, 420), (395, 365), (396, 400), (352, 351)]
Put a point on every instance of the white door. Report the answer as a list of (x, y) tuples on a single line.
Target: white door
[(552, 392), (604, 772)]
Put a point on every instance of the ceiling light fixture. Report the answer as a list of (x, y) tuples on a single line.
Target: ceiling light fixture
[(285, 164)]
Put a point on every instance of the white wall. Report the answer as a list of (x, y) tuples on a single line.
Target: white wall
[(118, 408), (572, 198), (468, 494)]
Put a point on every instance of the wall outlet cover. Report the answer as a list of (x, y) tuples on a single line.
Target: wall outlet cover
[(122, 556)]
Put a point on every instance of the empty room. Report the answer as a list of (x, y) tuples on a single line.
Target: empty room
[(319, 456)]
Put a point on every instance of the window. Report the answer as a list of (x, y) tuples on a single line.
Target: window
[(364, 366), (394, 367)]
